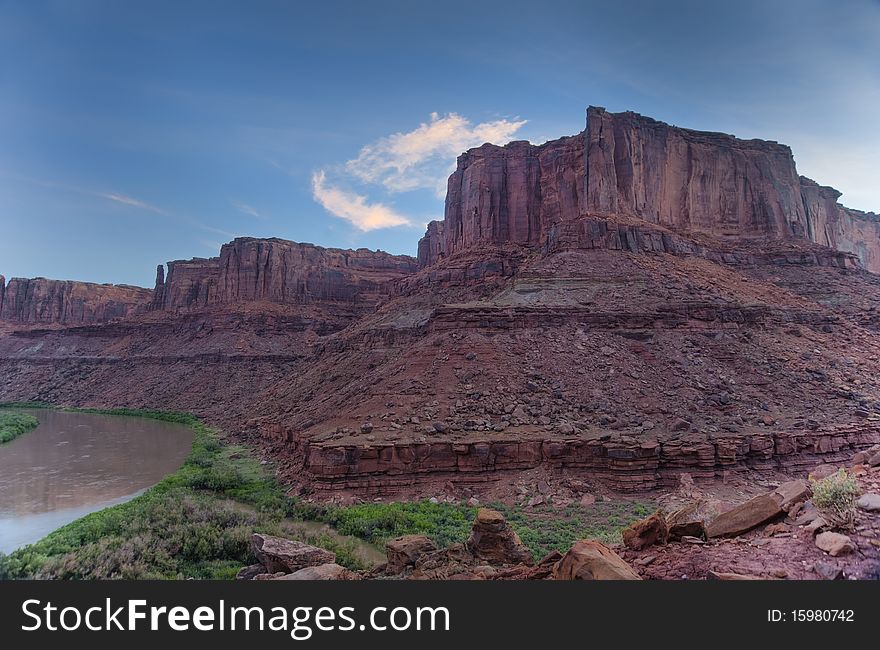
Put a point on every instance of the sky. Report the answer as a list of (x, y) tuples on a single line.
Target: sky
[(133, 133)]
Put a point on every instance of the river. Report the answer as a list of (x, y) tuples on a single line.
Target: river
[(76, 463)]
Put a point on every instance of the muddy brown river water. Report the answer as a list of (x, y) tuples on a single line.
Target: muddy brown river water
[(76, 463)]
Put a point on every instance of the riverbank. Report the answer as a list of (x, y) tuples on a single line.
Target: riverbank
[(14, 424), (198, 521)]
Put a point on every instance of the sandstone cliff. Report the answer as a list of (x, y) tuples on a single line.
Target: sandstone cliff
[(835, 226), (625, 164), (276, 270), (43, 301)]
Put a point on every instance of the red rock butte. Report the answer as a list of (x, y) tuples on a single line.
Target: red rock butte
[(624, 305)]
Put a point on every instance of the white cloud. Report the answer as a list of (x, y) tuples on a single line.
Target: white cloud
[(248, 210), (424, 157), (354, 207), (127, 200)]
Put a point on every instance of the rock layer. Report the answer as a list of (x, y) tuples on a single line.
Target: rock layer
[(626, 164), (43, 301), (280, 271)]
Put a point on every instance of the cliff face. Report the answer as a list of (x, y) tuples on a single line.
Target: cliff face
[(626, 164), (432, 246), (280, 271), (704, 182), (513, 193), (189, 284), (42, 301), (835, 226)]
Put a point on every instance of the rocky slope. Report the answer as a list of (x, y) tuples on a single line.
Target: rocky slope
[(627, 305)]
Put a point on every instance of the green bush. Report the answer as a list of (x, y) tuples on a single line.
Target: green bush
[(13, 425), (541, 529), (835, 497), (195, 523)]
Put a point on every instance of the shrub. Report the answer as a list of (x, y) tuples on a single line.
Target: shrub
[(835, 497), (13, 425)]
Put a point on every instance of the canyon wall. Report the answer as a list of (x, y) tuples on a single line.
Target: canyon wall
[(513, 193), (695, 181), (688, 181), (841, 228), (42, 301), (280, 271)]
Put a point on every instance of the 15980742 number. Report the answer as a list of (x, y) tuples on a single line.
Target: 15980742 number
[(822, 615)]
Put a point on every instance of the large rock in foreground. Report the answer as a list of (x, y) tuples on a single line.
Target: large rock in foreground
[(493, 540), (592, 560), (404, 552), (647, 531), (286, 555), (759, 510), (330, 571)]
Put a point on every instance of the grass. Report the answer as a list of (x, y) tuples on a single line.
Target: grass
[(197, 522), (835, 497), (13, 425), (541, 529)]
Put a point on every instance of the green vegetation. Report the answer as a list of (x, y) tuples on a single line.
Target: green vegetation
[(445, 523), (541, 529), (197, 522), (13, 425), (835, 497)]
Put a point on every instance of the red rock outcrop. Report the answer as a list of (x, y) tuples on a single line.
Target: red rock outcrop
[(513, 193), (43, 301), (432, 247), (624, 164), (189, 284), (695, 181), (840, 228), (280, 271)]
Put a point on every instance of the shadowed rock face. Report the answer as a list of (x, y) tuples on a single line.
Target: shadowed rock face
[(513, 193), (42, 301), (280, 271), (695, 182), (844, 229)]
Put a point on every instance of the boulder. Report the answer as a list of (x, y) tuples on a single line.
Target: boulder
[(448, 563), (822, 471), (286, 555), (758, 510), (835, 544), (717, 575), (494, 541), (270, 576), (330, 571), (592, 560), (687, 521), (646, 532), (250, 572), (827, 570), (869, 502), (403, 552)]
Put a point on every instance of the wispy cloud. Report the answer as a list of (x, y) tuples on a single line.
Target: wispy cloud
[(116, 197), (402, 162), (424, 157), (217, 231), (354, 208), (128, 200), (249, 210)]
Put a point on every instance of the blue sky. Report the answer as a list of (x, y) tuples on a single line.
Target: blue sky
[(132, 133)]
